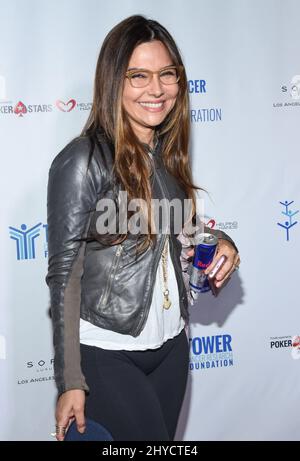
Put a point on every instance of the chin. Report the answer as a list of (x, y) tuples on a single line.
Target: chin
[(154, 121)]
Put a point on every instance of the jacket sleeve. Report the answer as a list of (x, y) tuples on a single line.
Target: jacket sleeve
[(71, 197)]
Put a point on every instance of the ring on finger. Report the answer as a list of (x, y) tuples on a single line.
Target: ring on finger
[(60, 429)]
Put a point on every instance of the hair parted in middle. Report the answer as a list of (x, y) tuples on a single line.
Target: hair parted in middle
[(132, 167)]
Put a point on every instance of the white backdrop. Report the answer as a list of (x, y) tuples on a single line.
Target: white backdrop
[(242, 60)]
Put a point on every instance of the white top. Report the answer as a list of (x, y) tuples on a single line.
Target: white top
[(161, 325)]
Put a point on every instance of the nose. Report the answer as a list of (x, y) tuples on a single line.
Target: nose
[(155, 87)]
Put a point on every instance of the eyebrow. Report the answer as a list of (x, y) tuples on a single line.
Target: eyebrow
[(143, 68)]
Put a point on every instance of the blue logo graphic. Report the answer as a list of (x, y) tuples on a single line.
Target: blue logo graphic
[(197, 86), (289, 214), (25, 240), (208, 352)]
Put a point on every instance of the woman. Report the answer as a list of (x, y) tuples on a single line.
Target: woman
[(118, 300)]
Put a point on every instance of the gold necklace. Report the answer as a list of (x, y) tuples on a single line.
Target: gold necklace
[(164, 257)]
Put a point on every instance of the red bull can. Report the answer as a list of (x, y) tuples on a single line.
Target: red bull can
[(204, 254)]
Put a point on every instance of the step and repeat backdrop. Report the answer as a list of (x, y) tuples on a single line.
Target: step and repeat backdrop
[(242, 62)]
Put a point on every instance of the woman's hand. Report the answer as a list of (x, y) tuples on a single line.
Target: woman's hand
[(233, 261), (70, 406)]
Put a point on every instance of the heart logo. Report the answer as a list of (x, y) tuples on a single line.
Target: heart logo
[(211, 223), (65, 106)]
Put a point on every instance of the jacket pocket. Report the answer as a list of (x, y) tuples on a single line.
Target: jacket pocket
[(112, 271)]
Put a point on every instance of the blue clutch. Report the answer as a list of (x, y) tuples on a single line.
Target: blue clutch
[(93, 431)]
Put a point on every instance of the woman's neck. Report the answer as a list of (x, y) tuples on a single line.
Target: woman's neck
[(146, 137)]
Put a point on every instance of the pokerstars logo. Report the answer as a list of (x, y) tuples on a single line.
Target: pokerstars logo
[(289, 343), (21, 109), (295, 352)]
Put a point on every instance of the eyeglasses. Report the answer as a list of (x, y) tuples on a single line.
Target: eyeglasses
[(142, 77)]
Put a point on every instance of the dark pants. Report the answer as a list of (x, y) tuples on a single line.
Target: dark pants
[(137, 395)]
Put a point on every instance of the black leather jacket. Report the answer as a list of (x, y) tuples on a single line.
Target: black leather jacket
[(105, 285)]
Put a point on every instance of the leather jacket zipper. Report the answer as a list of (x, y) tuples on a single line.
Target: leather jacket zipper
[(115, 263)]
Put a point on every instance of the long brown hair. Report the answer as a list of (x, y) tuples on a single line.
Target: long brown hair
[(132, 167)]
